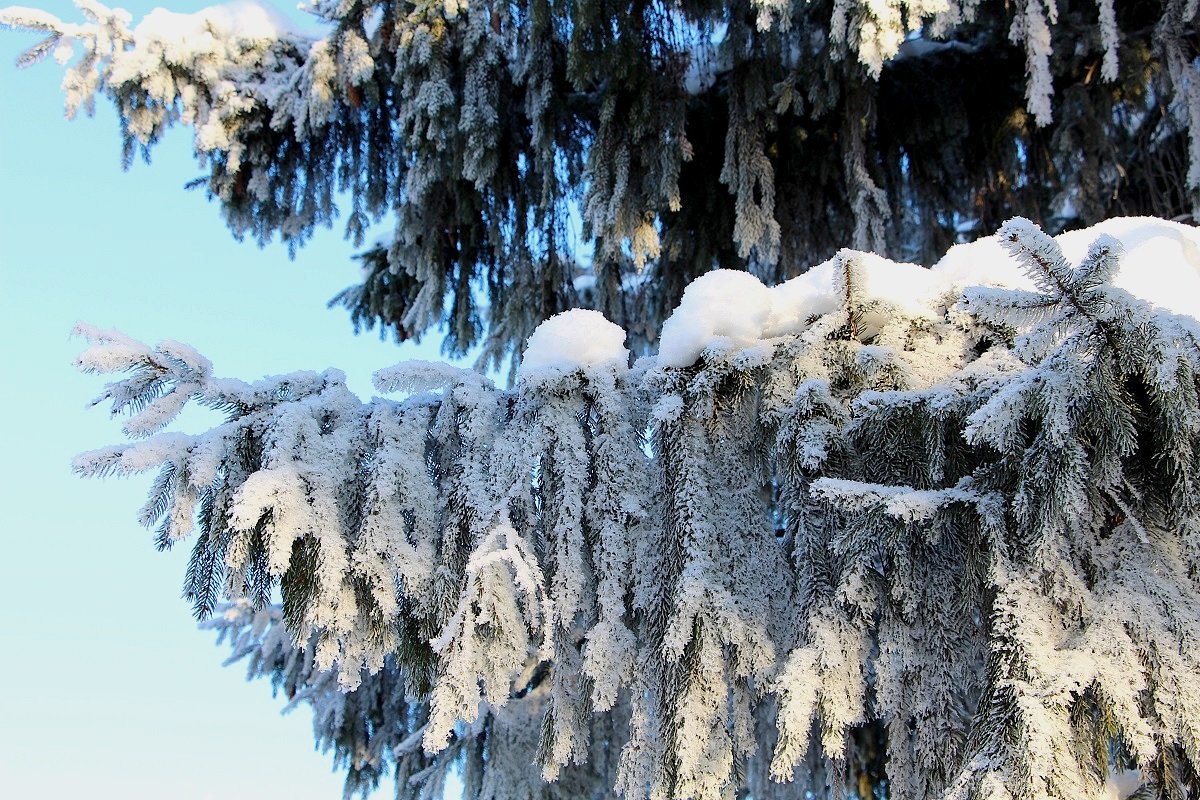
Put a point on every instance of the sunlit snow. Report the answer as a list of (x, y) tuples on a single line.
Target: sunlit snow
[(1161, 265), (576, 338)]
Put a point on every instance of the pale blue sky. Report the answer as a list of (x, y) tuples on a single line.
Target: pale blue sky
[(107, 690)]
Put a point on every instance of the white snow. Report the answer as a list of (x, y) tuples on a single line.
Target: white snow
[(737, 307), (983, 262), (807, 295), (723, 302), (1120, 785), (1161, 266), (910, 286), (187, 34), (1161, 263), (570, 340)]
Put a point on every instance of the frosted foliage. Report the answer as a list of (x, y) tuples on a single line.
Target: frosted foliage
[(486, 640), (877, 28), (1031, 28), (935, 525), (505, 125), (1110, 34), (193, 68)]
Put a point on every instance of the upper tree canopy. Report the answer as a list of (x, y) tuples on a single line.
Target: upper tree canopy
[(688, 135)]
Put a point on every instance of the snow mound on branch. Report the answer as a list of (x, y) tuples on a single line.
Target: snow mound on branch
[(723, 302), (983, 262), (571, 340), (1161, 265), (736, 306), (910, 287), (184, 35)]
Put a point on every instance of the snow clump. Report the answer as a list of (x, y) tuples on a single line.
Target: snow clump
[(1161, 266), (724, 302), (737, 307), (184, 36), (1161, 263), (732, 309), (573, 339)]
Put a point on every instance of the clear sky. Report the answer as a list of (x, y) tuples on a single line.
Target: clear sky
[(107, 690)]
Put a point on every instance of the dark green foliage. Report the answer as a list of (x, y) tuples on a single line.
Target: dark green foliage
[(520, 146)]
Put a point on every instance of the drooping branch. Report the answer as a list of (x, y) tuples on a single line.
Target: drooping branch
[(934, 527)]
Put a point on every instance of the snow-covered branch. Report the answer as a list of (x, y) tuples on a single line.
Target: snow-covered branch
[(951, 513)]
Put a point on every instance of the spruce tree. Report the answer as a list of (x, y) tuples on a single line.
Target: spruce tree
[(856, 529)]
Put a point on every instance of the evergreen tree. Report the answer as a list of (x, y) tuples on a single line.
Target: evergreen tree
[(878, 530)]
